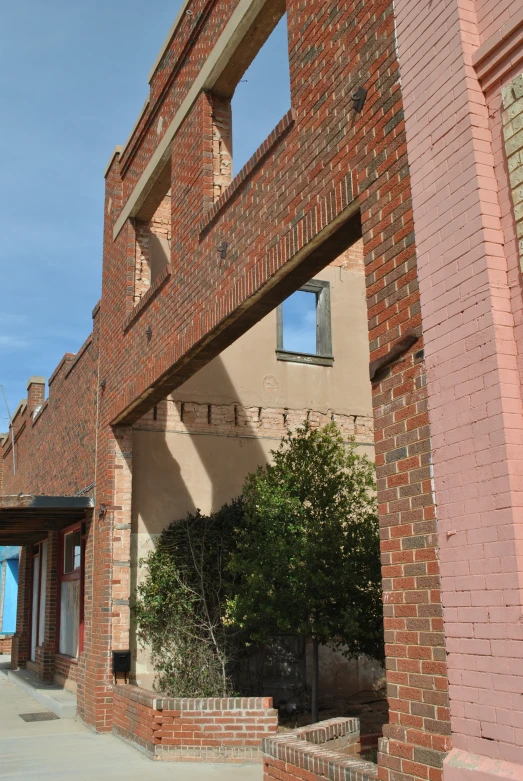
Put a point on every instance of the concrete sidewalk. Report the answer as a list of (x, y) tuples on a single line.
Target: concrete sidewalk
[(65, 749)]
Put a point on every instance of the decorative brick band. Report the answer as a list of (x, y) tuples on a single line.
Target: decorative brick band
[(204, 729), (327, 750), (281, 128)]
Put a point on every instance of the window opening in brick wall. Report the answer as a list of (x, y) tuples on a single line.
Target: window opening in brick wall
[(304, 325), (70, 636), (262, 95), (153, 252)]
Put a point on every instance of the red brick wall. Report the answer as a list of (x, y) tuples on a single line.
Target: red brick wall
[(55, 447), (5, 644), (200, 729), (65, 669), (326, 750)]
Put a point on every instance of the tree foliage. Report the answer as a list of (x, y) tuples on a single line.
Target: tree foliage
[(297, 554), (307, 552), (181, 603)]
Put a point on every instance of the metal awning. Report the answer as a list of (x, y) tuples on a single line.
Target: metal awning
[(25, 520)]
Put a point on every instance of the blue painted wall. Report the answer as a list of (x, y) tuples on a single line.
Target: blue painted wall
[(9, 596), (9, 552)]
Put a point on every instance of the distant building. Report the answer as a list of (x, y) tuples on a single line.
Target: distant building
[(9, 556)]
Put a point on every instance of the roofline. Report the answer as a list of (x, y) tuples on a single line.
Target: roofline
[(116, 151), (46, 502), (170, 36)]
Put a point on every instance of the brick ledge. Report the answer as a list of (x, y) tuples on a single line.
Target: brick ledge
[(148, 297), (285, 123)]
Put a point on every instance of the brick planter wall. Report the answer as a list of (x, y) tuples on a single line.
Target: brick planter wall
[(193, 729), (5, 644), (326, 750)]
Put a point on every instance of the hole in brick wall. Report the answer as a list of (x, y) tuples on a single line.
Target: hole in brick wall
[(262, 96), (152, 249)]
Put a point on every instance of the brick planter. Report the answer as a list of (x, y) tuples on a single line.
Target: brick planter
[(326, 750), (203, 729), (5, 644)]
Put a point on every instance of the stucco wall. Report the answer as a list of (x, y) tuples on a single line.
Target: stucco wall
[(197, 456)]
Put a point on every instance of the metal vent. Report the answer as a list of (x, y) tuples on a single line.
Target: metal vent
[(42, 716)]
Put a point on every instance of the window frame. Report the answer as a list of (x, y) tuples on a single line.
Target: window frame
[(63, 577), (323, 355)]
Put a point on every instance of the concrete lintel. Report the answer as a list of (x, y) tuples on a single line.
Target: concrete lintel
[(51, 696), (234, 32), (170, 36), (35, 381), (116, 151), (145, 106)]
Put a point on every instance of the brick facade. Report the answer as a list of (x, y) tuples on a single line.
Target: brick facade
[(201, 729), (430, 206)]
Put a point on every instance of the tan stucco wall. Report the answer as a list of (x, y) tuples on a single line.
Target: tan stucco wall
[(249, 372), (180, 463)]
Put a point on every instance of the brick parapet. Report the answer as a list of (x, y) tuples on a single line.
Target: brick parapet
[(205, 729)]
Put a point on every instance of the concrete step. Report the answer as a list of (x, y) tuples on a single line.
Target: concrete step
[(50, 695)]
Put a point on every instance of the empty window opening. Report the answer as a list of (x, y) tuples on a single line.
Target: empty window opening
[(304, 325), (221, 144), (262, 96), (251, 95), (153, 253)]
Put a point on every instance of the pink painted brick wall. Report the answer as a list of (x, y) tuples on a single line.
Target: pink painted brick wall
[(472, 316), (492, 14)]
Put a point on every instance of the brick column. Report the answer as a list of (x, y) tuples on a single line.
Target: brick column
[(47, 651), (418, 734), (35, 393), (475, 404), (20, 647), (107, 578)]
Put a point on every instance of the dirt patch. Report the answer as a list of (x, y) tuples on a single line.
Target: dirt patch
[(370, 707)]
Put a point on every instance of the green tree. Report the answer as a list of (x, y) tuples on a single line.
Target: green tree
[(180, 605), (307, 552)]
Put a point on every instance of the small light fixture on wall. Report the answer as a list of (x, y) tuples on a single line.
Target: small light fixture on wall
[(222, 250), (359, 97), (149, 333)]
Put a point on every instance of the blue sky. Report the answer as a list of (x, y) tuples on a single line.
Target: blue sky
[(73, 78)]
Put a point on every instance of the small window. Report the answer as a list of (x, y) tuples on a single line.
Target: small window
[(304, 326), (72, 552)]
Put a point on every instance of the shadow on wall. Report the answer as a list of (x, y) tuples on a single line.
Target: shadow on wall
[(187, 457)]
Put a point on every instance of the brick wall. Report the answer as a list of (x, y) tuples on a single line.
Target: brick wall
[(512, 118), (55, 438), (66, 671), (326, 750), (198, 729), (227, 419), (158, 226), (5, 644), (323, 178)]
